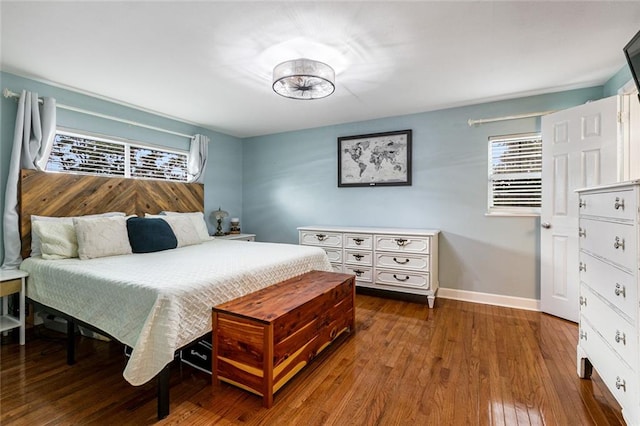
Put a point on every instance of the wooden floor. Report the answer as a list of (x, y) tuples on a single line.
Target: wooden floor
[(458, 364)]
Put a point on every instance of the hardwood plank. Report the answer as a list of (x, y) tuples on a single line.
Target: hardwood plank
[(459, 363)]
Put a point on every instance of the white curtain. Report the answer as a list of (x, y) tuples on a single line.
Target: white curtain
[(198, 158), (32, 141)]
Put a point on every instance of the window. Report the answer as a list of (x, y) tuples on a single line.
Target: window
[(515, 174), (94, 155)]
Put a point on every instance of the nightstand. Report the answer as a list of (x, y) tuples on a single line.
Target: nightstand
[(11, 282), (242, 237)]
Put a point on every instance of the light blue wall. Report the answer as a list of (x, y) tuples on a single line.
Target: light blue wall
[(223, 178), (276, 183), (618, 80), (290, 180)]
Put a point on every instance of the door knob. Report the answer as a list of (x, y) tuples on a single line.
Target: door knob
[(545, 225)]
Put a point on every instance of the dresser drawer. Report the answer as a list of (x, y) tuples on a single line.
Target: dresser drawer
[(319, 238), (402, 279), (358, 241), (615, 285), (619, 377), (336, 267), (334, 255), (620, 204), (402, 243), (614, 329), (610, 240), (403, 261), (358, 257), (362, 273)]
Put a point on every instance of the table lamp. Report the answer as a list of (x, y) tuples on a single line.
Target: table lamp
[(218, 215)]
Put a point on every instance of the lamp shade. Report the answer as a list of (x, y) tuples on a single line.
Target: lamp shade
[(303, 79), (219, 214)]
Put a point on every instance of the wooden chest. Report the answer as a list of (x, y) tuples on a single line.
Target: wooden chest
[(263, 339)]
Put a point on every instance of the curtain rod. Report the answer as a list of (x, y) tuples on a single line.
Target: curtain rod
[(9, 94), (509, 117)]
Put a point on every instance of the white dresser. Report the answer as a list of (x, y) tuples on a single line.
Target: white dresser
[(608, 336), (394, 259)]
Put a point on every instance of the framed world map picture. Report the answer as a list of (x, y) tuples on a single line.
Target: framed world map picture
[(378, 159)]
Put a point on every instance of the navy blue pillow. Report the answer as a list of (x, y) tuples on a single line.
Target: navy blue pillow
[(147, 235)]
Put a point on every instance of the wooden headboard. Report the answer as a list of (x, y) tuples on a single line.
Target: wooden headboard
[(63, 194)]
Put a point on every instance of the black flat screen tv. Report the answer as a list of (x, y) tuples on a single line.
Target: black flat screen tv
[(632, 53)]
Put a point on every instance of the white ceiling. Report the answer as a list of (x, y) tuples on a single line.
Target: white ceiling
[(210, 63)]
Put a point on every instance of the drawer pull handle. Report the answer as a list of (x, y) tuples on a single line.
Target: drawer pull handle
[(358, 256), (620, 383), (321, 237), (333, 333), (358, 241), (358, 272), (582, 203), (619, 204), (582, 267), (620, 290), (400, 262), (619, 243), (620, 337), (582, 232), (583, 335), (401, 279), (583, 301), (401, 242)]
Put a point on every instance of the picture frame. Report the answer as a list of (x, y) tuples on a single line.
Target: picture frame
[(376, 159)]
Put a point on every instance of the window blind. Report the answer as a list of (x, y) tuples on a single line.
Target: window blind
[(515, 173), (88, 154)]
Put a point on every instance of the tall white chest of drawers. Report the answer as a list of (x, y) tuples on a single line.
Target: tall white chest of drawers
[(609, 320), (393, 259)]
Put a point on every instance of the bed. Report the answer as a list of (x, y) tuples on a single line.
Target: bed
[(157, 302)]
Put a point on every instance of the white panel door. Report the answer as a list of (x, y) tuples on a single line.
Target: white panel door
[(579, 149)]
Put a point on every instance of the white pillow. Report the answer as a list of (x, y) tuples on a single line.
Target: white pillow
[(197, 218), (102, 236), (57, 239), (35, 238), (182, 226)]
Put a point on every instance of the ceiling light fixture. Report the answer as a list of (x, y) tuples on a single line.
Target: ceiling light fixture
[(303, 79)]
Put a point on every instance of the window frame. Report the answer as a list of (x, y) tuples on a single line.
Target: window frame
[(127, 145), (497, 210)]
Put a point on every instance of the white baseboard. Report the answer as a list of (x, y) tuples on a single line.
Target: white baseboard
[(489, 299)]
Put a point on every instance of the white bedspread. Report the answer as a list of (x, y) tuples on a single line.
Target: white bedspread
[(158, 302)]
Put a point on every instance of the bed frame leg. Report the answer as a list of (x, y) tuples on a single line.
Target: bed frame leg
[(163, 392), (71, 342)]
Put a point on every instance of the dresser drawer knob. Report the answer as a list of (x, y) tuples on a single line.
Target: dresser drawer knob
[(583, 301), (620, 290), (619, 204), (401, 262), (401, 242), (583, 335), (358, 256), (358, 241), (582, 232), (582, 203), (401, 279), (321, 237), (619, 243), (621, 383), (358, 272), (620, 337), (582, 267)]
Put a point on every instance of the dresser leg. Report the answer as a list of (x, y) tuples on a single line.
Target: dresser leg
[(584, 365), (431, 300)]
